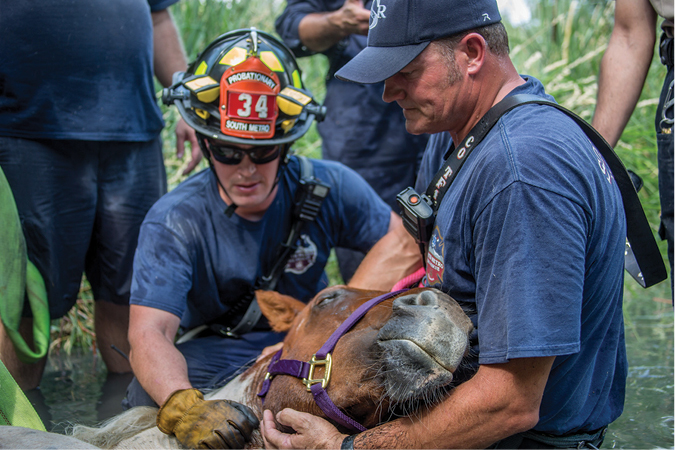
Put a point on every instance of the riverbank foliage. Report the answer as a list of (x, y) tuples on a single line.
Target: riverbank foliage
[(561, 45)]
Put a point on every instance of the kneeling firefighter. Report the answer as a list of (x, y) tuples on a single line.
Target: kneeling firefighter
[(258, 218)]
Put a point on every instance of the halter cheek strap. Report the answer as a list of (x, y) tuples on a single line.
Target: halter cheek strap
[(305, 370)]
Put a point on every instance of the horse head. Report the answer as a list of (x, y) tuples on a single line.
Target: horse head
[(403, 352)]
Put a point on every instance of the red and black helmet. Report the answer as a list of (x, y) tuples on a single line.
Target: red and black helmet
[(245, 88)]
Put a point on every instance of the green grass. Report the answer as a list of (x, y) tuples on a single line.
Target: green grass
[(562, 46)]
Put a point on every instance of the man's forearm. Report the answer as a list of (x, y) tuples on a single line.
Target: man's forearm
[(624, 67), (394, 257), (169, 56), (159, 367), (321, 30), (318, 31), (499, 401)]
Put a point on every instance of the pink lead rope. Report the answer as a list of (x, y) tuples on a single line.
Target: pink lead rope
[(411, 280)]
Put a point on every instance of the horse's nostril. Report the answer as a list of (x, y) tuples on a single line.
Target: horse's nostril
[(424, 298)]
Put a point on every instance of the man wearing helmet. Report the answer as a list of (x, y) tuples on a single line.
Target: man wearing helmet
[(206, 245)]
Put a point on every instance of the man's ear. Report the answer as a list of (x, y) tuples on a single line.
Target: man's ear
[(280, 310), (475, 49)]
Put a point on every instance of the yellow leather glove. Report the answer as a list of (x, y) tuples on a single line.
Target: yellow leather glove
[(199, 423)]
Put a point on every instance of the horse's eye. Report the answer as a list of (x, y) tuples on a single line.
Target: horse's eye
[(328, 298)]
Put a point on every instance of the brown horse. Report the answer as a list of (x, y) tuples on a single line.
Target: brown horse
[(400, 355)]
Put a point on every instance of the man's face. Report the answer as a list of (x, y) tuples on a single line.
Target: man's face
[(429, 90), (247, 184)]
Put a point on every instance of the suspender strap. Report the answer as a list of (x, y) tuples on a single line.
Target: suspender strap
[(650, 267), (306, 209)]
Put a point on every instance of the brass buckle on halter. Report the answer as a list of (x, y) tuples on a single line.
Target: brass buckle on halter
[(309, 381)]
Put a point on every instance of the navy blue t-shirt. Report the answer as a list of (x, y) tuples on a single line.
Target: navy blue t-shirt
[(530, 239), (195, 262), (78, 70), (360, 129)]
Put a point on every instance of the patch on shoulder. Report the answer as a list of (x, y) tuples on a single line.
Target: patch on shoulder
[(304, 256), (435, 259)]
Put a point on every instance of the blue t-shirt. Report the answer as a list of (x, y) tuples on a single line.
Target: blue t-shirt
[(195, 262), (78, 70), (360, 129), (530, 239)]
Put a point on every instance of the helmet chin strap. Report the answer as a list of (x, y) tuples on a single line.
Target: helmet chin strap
[(233, 206)]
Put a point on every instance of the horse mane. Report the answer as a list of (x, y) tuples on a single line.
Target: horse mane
[(116, 429)]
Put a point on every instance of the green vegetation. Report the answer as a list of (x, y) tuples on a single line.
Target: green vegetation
[(562, 46)]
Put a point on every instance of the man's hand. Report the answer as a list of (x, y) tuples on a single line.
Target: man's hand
[(320, 31), (270, 350), (185, 133), (199, 423), (351, 18), (310, 431)]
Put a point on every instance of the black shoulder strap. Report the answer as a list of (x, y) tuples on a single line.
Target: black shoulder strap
[(307, 204), (651, 269)]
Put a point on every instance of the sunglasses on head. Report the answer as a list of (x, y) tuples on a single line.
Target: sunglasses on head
[(227, 154)]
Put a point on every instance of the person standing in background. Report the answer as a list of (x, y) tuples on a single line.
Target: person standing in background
[(360, 129), (623, 73), (80, 146)]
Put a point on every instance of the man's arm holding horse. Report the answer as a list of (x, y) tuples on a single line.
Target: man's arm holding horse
[(499, 401), (159, 366), (394, 257), (162, 371)]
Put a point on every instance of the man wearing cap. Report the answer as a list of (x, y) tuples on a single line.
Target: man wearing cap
[(529, 239), (360, 129)]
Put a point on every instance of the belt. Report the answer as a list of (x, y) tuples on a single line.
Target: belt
[(666, 50), (590, 439), (536, 439)]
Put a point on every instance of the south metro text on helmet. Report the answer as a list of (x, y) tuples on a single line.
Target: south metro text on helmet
[(245, 88)]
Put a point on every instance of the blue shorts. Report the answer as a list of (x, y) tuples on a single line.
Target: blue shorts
[(212, 361), (81, 204)]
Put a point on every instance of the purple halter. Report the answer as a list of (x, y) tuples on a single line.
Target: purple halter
[(305, 371)]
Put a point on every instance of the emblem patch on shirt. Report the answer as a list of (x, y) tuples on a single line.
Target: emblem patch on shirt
[(304, 256), (435, 259)]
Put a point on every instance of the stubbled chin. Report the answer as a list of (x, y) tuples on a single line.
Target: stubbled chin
[(412, 122)]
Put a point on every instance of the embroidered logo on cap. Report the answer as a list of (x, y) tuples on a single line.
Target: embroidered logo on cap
[(376, 13)]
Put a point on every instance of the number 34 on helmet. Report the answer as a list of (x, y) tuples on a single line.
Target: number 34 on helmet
[(245, 88)]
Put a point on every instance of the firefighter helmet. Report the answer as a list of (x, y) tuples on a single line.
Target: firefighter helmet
[(245, 88)]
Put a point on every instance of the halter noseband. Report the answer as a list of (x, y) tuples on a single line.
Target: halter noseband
[(305, 370)]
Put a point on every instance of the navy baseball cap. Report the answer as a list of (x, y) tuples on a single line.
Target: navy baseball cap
[(401, 29)]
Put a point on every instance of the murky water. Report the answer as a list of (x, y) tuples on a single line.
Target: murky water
[(76, 388), (647, 420)]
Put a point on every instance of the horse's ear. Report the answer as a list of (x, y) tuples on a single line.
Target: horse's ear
[(279, 309)]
